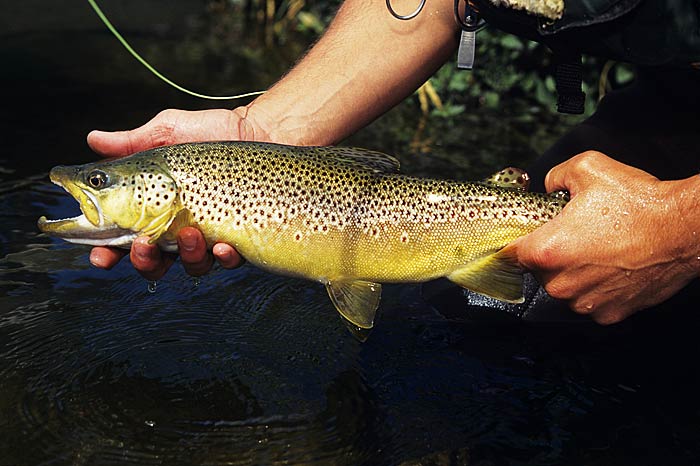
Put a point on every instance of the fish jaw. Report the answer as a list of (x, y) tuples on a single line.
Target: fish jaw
[(62, 176), (80, 230), (89, 228)]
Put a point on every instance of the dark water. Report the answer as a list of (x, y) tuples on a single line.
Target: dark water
[(248, 368)]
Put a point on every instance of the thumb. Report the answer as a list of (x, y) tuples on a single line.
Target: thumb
[(157, 132), (517, 248), (539, 249)]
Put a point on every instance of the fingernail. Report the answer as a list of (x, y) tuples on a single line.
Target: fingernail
[(221, 253), (95, 260), (226, 255), (142, 249), (189, 242), (95, 133)]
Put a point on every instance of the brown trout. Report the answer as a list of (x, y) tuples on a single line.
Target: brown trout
[(340, 216)]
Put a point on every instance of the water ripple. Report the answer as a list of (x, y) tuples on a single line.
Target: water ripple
[(233, 371)]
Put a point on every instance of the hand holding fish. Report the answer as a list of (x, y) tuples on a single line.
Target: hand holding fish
[(172, 127), (626, 240)]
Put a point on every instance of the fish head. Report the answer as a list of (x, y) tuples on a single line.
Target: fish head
[(119, 200)]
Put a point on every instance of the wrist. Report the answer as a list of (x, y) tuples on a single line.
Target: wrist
[(686, 197), (257, 123), (248, 126)]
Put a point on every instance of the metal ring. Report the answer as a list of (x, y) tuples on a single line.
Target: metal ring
[(405, 17), (471, 22)]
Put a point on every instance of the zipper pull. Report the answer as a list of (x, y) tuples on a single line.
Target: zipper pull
[(467, 40)]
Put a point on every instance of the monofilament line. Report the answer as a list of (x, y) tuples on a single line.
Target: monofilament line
[(128, 47)]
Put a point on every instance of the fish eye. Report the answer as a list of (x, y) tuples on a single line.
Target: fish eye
[(97, 179)]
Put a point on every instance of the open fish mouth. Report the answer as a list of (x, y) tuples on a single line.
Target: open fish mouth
[(80, 230), (88, 228)]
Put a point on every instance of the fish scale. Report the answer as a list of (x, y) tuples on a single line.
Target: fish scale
[(342, 216)]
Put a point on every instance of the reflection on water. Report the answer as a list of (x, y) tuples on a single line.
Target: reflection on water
[(249, 368)]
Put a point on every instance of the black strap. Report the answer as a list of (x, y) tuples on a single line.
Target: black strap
[(568, 77)]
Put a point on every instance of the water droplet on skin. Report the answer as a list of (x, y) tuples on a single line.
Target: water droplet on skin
[(628, 273), (604, 211), (589, 307), (152, 284), (617, 225), (196, 281)]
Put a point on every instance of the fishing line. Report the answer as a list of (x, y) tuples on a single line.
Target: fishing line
[(128, 47)]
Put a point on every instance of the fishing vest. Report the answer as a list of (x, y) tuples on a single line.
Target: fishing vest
[(660, 33)]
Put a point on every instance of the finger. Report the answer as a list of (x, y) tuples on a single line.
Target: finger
[(610, 316), (569, 175), (106, 258), (578, 172), (158, 132), (193, 252), (148, 260), (227, 256), (558, 178)]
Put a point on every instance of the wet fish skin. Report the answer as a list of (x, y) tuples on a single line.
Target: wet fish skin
[(340, 216)]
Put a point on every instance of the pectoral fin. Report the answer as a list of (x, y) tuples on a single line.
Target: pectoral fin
[(357, 301), (497, 275)]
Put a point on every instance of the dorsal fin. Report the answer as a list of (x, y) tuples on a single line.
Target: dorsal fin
[(373, 160), (510, 177)]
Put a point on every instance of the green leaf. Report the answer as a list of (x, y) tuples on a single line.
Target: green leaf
[(511, 42), (459, 81), (542, 94), (309, 22), (623, 73), (491, 99), (449, 110), (550, 84)]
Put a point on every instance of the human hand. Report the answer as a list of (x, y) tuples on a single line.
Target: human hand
[(620, 245), (172, 127)]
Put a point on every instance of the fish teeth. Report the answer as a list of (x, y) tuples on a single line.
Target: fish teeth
[(43, 219)]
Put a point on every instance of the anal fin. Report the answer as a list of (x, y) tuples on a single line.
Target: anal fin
[(497, 275), (356, 301)]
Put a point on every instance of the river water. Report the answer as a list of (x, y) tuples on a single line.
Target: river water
[(246, 368)]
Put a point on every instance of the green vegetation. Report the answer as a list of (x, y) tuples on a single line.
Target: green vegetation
[(514, 69), (508, 68)]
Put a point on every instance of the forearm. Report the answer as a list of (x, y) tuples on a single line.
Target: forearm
[(364, 64)]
